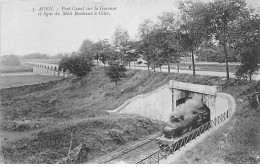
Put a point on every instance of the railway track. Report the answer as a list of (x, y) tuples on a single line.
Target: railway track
[(180, 142), (147, 151), (126, 151)]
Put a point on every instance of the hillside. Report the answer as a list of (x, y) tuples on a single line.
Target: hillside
[(39, 121)]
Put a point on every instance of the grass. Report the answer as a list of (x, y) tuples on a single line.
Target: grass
[(15, 69), (60, 108), (52, 144), (19, 80)]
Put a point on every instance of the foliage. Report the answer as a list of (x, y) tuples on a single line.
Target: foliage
[(167, 39), (78, 65), (86, 49), (216, 55), (120, 42), (115, 71), (144, 47), (35, 56), (120, 37), (11, 60), (224, 17), (101, 51), (131, 52), (193, 29), (158, 41), (247, 46)]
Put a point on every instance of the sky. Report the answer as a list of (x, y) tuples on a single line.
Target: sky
[(23, 31)]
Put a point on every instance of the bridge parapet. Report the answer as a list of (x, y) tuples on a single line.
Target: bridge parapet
[(203, 89)]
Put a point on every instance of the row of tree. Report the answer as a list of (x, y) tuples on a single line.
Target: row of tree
[(228, 28)]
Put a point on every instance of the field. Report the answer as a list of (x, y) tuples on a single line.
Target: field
[(15, 69), (48, 61), (220, 67), (19, 80), (39, 122)]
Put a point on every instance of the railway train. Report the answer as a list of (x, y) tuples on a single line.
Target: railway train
[(188, 118)]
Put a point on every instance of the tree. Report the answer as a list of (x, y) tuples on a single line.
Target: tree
[(100, 50), (156, 44), (167, 36), (144, 48), (121, 42), (167, 47), (247, 46), (223, 15), (87, 49), (78, 65), (115, 71), (193, 27), (11, 60), (131, 53)]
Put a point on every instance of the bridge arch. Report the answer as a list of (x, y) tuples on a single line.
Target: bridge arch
[(182, 91)]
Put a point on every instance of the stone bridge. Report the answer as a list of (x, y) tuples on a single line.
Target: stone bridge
[(207, 94), (48, 69), (161, 103)]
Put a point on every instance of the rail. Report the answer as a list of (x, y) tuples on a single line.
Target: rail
[(130, 149), (163, 153)]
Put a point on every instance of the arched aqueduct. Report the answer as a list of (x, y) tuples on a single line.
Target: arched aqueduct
[(48, 69)]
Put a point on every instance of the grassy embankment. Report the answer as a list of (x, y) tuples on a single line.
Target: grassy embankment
[(46, 115)]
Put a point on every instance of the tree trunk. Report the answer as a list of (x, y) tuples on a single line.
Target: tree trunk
[(148, 67), (153, 67), (160, 68), (226, 60), (81, 81), (169, 61), (129, 65), (116, 90), (178, 68), (193, 63), (225, 51)]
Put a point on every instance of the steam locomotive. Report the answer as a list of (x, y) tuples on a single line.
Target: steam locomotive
[(192, 118)]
